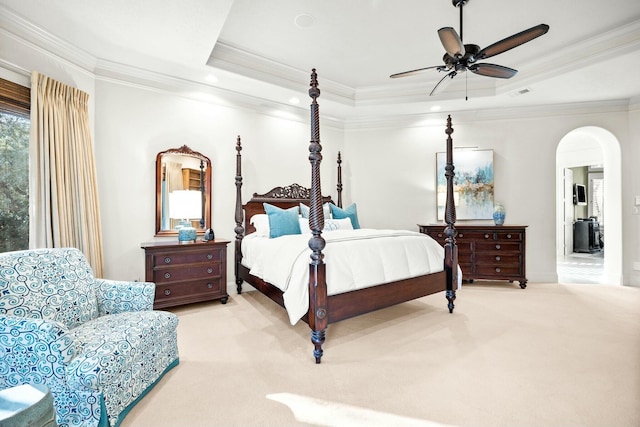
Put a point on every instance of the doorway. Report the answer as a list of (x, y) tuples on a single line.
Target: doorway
[(589, 155)]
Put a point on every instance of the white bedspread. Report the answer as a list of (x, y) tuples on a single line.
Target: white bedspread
[(355, 259)]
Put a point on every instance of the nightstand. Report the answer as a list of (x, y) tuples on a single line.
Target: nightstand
[(187, 273)]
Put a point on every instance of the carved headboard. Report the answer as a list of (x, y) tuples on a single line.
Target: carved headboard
[(282, 197)]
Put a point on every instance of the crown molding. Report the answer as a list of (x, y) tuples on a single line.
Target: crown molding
[(19, 28), (496, 114), (162, 83), (235, 60)]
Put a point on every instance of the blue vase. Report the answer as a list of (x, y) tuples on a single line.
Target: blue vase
[(498, 214)]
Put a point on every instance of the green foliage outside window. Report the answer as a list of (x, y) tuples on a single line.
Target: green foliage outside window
[(14, 182)]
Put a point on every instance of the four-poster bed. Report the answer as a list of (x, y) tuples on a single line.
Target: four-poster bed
[(326, 307)]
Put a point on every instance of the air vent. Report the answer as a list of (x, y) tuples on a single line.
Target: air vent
[(521, 92)]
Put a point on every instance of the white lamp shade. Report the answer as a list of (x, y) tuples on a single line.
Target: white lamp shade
[(185, 204)]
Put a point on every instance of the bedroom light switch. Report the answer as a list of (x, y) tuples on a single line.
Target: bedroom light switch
[(637, 201)]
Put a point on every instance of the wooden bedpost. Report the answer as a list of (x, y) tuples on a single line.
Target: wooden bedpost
[(339, 186), (239, 216), (450, 248), (317, 278)]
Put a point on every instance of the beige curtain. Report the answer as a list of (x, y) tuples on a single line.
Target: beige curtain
[(64, 209)]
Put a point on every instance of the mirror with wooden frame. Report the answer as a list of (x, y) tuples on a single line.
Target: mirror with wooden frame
[(182, 172)]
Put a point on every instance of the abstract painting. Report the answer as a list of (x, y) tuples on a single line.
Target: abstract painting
[(472, 184)]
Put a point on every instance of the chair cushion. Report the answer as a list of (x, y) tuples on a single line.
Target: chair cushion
[(52, 284), (110, 346)]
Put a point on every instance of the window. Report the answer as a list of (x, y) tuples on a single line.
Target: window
[(15, 103)]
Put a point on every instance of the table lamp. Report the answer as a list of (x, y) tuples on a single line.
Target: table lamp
[(185, 205)]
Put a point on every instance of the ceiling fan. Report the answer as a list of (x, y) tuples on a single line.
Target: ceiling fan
[(460, 57)]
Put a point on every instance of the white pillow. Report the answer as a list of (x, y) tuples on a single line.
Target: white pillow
[(261, 223), (329, 225), (304, 210)]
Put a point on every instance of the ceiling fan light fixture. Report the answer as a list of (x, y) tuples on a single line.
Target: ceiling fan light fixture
[(460, 57)]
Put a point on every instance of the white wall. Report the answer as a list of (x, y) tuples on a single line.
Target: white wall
[(524, 167), (136, 123), (630, 190)]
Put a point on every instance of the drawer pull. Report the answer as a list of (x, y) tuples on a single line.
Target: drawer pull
[(498, 270), (209, 285), (497, 246), (209, 270), (486, 236), (439, 234), (167, 292), (209, 256), (509, 236), (461, 235), (167, 260), (497, 258), (167, 275)]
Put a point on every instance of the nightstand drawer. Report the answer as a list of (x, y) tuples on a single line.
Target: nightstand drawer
[(190, 257), (196, 271), (176, 291)]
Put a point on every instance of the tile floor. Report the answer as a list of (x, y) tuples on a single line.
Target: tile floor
[(581, 268)]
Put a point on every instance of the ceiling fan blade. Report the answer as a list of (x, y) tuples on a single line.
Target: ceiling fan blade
[(451, 41), (512, 41), (493, 70), (419, 70), (444, 82)]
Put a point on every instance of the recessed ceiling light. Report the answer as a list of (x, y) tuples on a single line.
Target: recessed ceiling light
[(294, 100), (212, 79), (304, 20), (436, 108)]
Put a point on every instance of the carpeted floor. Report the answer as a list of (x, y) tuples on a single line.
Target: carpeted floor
[(549, 355)]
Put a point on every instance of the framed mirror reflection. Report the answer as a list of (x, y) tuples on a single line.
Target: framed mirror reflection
[(183, 191)]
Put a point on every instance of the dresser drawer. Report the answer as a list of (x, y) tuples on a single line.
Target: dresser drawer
[(195, 271), (465, 257), (493, 246), (497, 270), (188, 289), (510, 236), (498, 258), (187, 257), (469, 236)]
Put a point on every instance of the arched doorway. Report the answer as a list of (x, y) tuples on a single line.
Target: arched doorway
[(582, 147)]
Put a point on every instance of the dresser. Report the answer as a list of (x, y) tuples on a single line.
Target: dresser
[(186, 273), (491, 252)]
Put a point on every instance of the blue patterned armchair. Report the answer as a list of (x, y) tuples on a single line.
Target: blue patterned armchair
[(97, 344)]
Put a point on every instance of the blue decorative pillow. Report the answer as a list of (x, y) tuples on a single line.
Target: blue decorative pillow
[(350, 212), (282, 221)]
